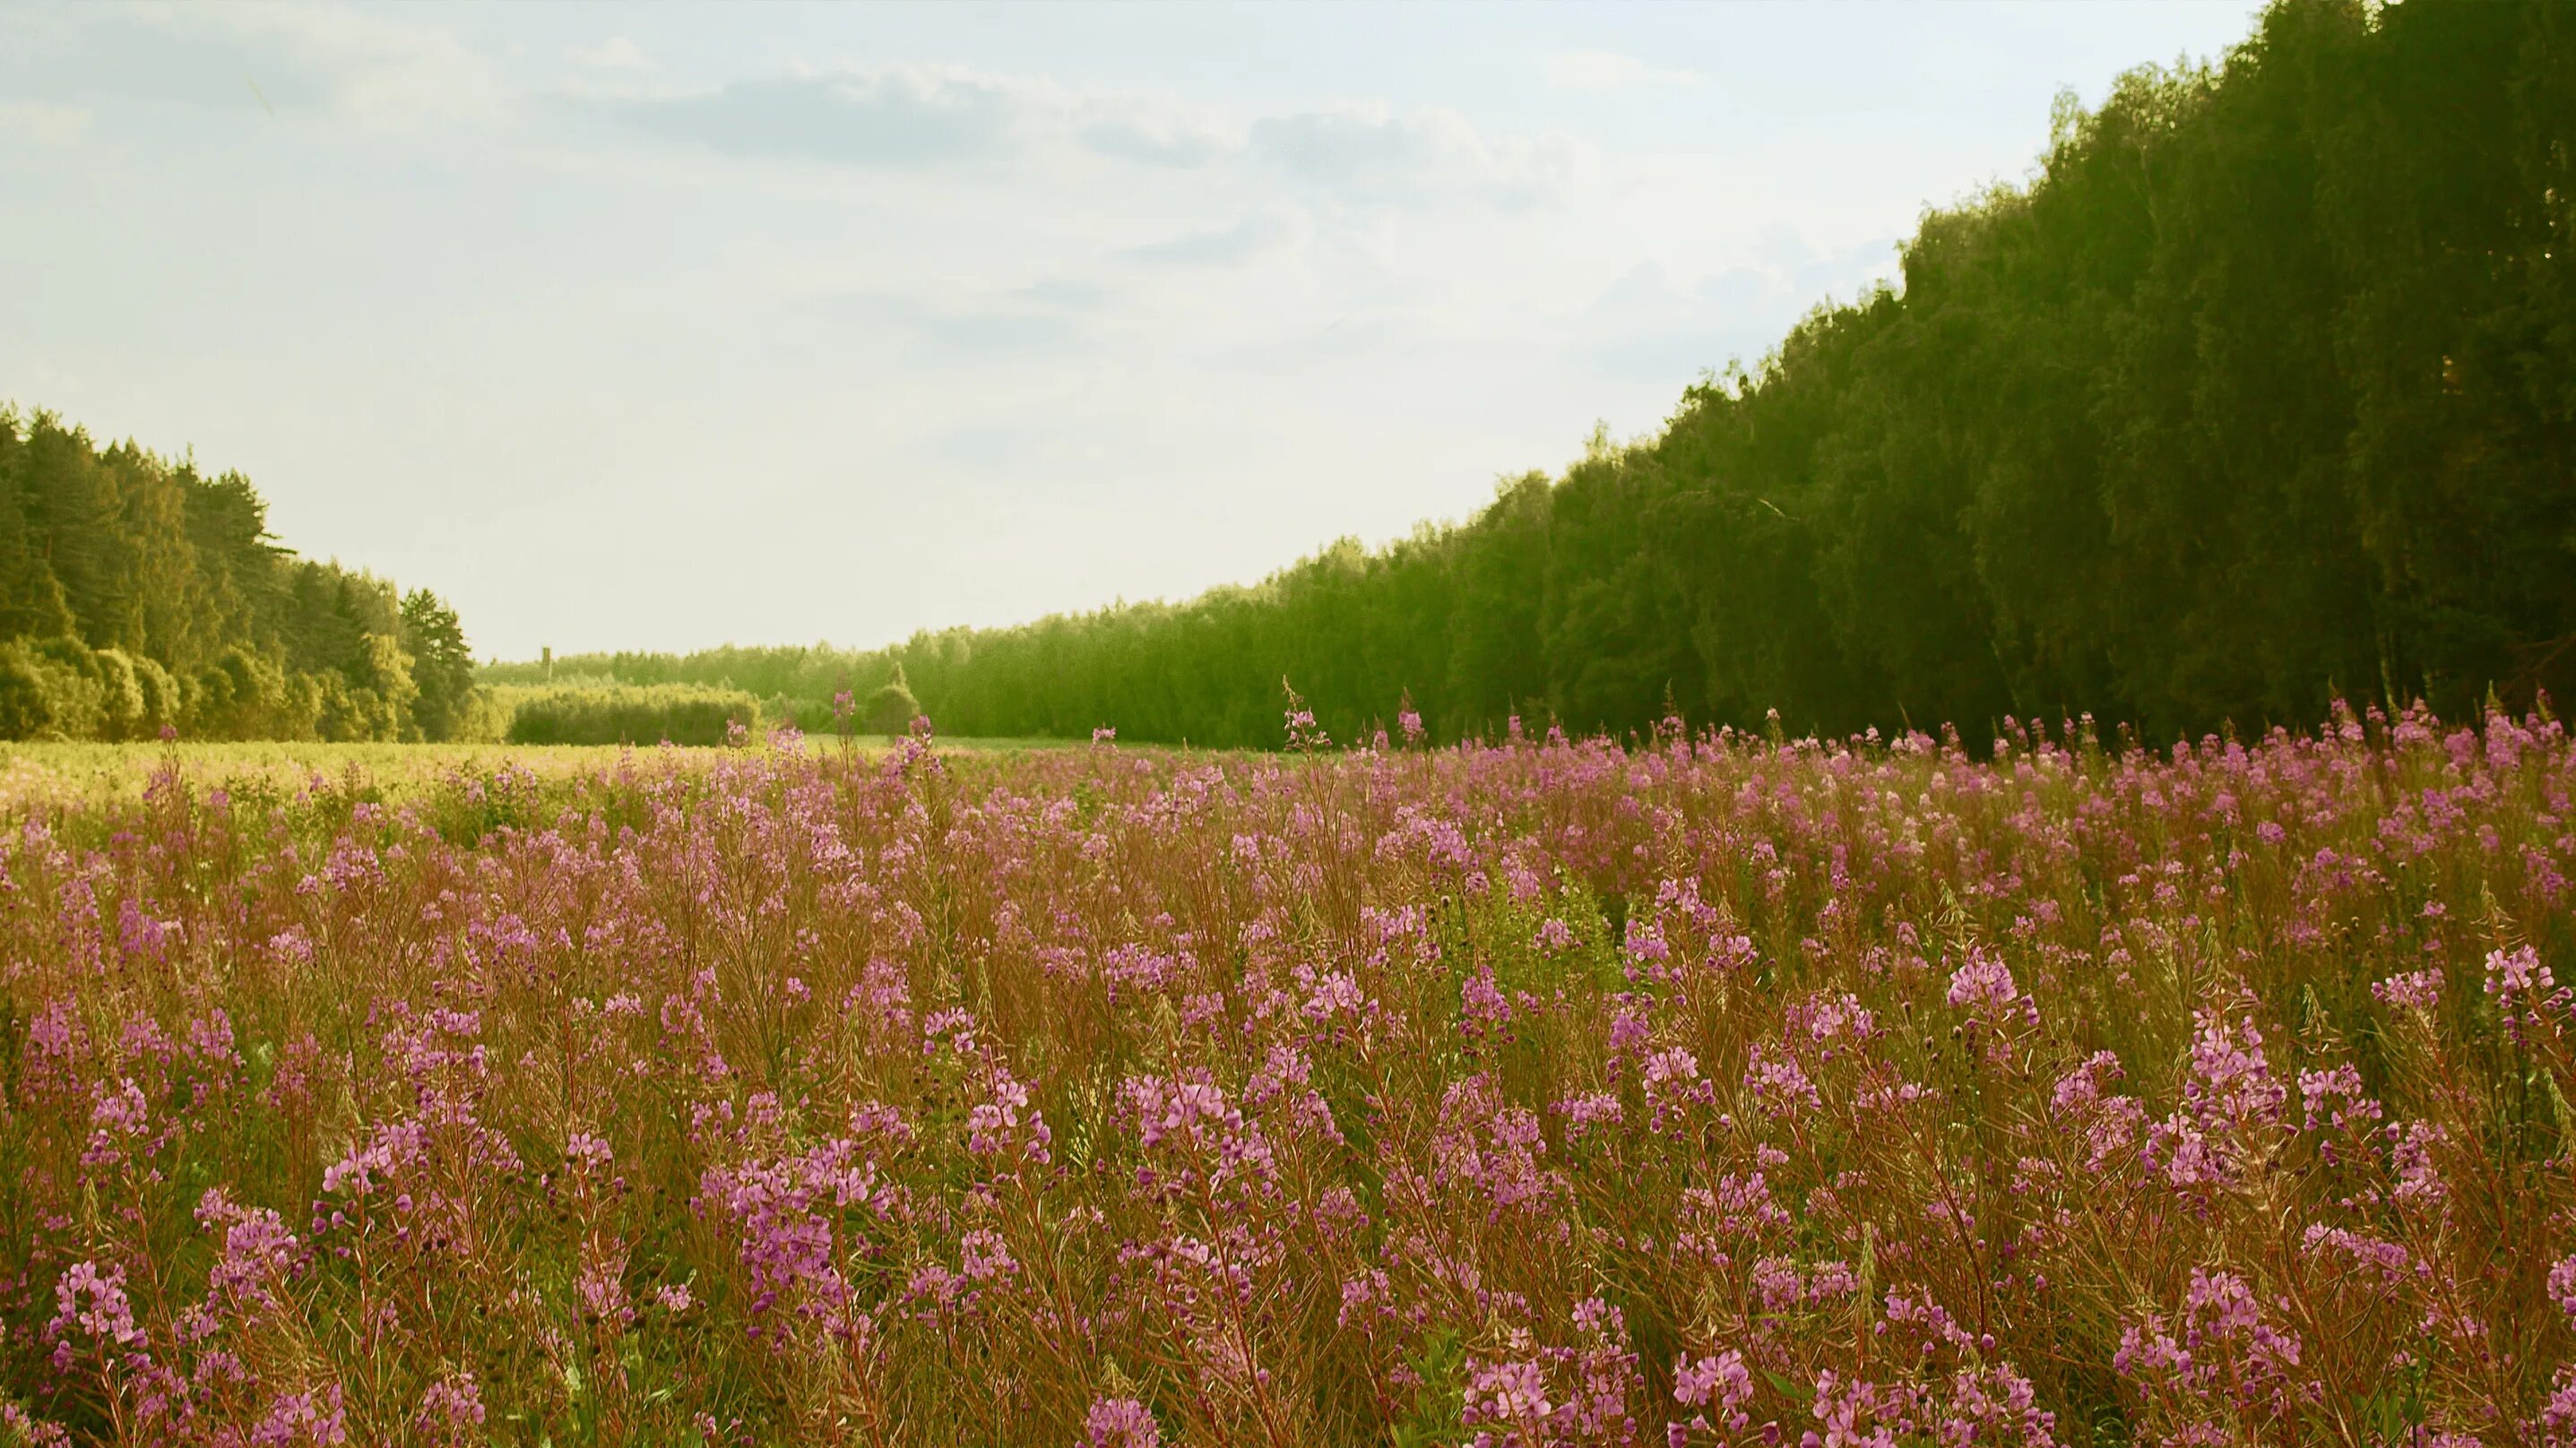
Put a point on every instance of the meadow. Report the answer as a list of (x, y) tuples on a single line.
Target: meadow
[(49, 779), (1704, 1089)]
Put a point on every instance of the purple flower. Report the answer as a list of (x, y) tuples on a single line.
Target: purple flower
[(1120, 1423)]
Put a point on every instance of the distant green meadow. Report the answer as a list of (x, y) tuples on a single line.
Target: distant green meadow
[(46, 776)]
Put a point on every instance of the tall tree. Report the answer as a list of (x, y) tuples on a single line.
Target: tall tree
[(136, 592)]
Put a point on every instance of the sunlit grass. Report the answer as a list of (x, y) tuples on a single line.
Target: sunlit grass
[(55, 775)]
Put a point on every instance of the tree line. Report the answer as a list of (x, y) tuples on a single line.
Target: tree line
[(140, 595), (2259, 393), (614, 713)]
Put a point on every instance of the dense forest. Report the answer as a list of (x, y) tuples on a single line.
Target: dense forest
[(139, 595), (2261, 392)]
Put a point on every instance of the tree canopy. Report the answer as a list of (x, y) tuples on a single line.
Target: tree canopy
[(138, 594)]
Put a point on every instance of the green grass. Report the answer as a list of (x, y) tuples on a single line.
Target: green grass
[(41, 776)]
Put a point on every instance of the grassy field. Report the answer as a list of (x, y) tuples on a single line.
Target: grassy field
[(54, 776), (1712, 1091)]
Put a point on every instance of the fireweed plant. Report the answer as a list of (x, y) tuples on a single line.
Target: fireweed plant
[(1711, 1090)]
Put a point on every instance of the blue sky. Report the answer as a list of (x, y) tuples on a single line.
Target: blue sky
[(666, 326)]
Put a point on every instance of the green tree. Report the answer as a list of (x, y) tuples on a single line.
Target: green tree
[(892, 708), (442, 666), (161, 590)]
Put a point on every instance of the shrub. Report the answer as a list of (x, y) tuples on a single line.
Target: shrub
[(120, 696), (49, 690), (160, 694), (137, 696), (626, 714), (892, 709), (244, 696), (481, 719)]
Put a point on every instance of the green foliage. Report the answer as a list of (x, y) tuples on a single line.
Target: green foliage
[(121, 705), (2257, 393), (59, 688), (626, 714), (892, 709), (245, 695), (814, 671), (441, 667), (1436, 1415), (43, 695), (161, 591)]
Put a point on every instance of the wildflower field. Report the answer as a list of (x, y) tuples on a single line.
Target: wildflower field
[(1704, 1090)]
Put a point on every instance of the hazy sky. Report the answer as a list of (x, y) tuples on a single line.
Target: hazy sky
[(663, 327)]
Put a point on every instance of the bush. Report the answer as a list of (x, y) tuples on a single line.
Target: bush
[(244, 696), (137, 696), (161, 696), (60, 688), (482, 718), (120, 699), (892, 709), (49, 690), (625, 714)]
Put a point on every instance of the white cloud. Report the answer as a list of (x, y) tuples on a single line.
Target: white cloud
[(1046, 319), (373, 69), (1369, 149), (1238, 241), (44, 123), (1603, 70), (366, 67), (1156, 131), (615, 53), (921, 115), (924, 117), (901, 116)]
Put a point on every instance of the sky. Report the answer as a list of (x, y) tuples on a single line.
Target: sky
[(668, 326)]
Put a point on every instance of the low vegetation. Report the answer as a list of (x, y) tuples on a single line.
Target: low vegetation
[(1707, 1090), (610, 713)]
